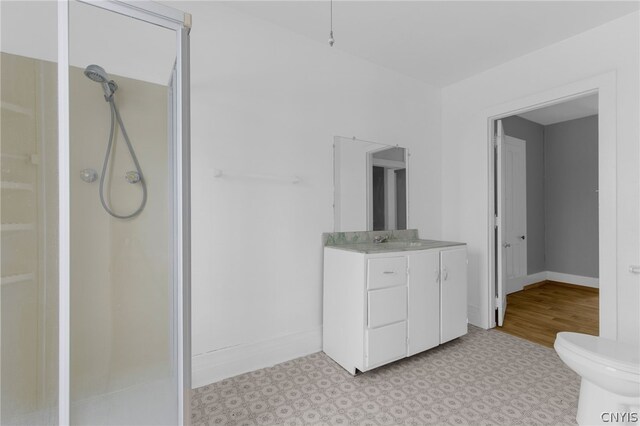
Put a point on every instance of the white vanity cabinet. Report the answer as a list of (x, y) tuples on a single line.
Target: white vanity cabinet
[(381, 307)]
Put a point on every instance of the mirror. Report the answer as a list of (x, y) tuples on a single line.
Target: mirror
[(370, 184)]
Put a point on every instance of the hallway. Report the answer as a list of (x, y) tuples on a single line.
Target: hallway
[(544, 309)]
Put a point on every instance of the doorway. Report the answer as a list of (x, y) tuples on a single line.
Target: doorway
[(546, 207), (387, 192)]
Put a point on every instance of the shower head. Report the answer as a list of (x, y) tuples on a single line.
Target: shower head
[(96, 73), (99, 75)]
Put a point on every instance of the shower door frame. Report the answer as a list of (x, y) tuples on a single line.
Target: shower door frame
[(180, 22)]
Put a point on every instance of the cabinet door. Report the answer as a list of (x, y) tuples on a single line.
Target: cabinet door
[(453, 293), (424, 301)]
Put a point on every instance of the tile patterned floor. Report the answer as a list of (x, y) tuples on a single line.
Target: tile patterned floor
[(483, 378)]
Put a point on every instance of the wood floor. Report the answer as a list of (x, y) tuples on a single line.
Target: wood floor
[(544, 309)]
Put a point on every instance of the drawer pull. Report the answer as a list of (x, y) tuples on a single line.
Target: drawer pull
[(385, 272)]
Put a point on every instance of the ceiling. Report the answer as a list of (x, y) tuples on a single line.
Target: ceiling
[(438, 42), (565, 111)]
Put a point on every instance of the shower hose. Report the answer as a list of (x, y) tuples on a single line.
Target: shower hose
[(115, 117)]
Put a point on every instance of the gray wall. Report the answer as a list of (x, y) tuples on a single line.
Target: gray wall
[(562, 202), (571, 181), (533, 134)]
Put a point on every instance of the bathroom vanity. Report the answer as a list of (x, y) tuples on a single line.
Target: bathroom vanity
[(389, 300)]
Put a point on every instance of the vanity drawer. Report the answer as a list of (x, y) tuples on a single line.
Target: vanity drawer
[(386, 306), (386, 344), (386, 272)]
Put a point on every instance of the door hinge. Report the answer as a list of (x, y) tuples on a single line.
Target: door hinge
[(496, 221), (497, 302)]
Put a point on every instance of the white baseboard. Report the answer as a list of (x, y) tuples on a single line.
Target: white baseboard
[(573, 279), (527, 280), (214, 366), (558, 276), (474, 317), (534, 278)]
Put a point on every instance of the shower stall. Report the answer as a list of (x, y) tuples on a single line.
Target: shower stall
[(94, 206)]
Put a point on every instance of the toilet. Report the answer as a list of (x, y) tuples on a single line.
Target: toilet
[(610, 371)]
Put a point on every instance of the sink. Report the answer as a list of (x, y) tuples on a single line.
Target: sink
[(399, 241), (398, 245), (404, 244)]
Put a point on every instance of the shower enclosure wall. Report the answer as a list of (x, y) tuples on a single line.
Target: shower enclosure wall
[(94, 308)]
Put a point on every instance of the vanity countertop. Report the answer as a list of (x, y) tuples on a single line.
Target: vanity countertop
[(395, 246)]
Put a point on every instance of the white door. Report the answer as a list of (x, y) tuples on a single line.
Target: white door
[(515, 213), (453, 293), (512, 217), (501, 292)]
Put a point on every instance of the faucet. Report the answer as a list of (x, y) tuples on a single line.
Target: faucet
[(381, 239)]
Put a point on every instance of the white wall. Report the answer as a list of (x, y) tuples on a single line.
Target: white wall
[(613, 46), (265, 100)]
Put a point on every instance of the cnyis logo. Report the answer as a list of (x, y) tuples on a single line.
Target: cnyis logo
[(619, 417)]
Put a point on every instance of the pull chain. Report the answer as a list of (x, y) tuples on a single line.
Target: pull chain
[(331, 39)]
